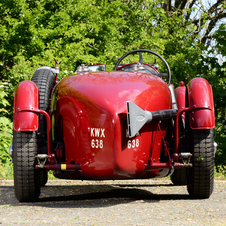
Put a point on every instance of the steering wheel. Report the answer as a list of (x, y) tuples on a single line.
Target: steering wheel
[(140, 51)]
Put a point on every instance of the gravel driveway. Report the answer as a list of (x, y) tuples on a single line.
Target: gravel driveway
[(132, 202)]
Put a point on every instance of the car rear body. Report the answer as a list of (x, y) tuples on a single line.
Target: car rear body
[(90, 118)]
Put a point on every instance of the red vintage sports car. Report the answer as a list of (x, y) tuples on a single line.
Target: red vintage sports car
[(111, 125)]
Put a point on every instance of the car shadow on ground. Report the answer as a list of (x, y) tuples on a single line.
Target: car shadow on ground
[(107, 192), (93, 196)]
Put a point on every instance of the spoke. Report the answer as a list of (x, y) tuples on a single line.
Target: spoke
[(140, 58)]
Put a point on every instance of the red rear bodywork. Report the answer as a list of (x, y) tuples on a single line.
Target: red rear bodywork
[(90, 119)]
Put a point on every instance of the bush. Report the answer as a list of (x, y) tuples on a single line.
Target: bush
[(5, 137)]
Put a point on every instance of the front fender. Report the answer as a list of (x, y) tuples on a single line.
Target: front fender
[(200, 94), (26, 96)]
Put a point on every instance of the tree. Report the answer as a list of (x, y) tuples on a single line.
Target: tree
[(5, 129), (214, 70), (204, 15)]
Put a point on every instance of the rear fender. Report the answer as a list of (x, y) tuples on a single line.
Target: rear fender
[(26, 96), (200, 94)]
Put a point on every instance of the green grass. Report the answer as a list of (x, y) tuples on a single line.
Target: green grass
[(6, 171), (220, 173)]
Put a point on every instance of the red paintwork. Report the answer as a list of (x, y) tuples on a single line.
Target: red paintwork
[(181, 96), (26, 96), (166, 165), (200, 94), (91, 119)]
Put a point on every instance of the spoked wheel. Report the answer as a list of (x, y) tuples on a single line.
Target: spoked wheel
[(201, 175), (179, 177), (26, 177), (45, 80)]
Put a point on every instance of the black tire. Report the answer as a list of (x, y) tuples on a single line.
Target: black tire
[(43, 177), (26, 177), (45, 80), (179, 177), (201, 175)]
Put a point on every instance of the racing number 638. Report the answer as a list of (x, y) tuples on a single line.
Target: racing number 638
[(133, 143), (96, 143)]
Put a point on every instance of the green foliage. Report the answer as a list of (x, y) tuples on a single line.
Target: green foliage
[(215, 71), (101, 31), (89, 32), (200, 159), (5, 128), (5, 138), (6, 171), (220, 172)]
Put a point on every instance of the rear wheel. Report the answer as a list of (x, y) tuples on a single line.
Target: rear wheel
[(201, 175), (179, 176), (45, 80), (26, 177), (43, 177)]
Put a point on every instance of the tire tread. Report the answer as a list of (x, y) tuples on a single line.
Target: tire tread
[(201, 175), (26, 177)]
